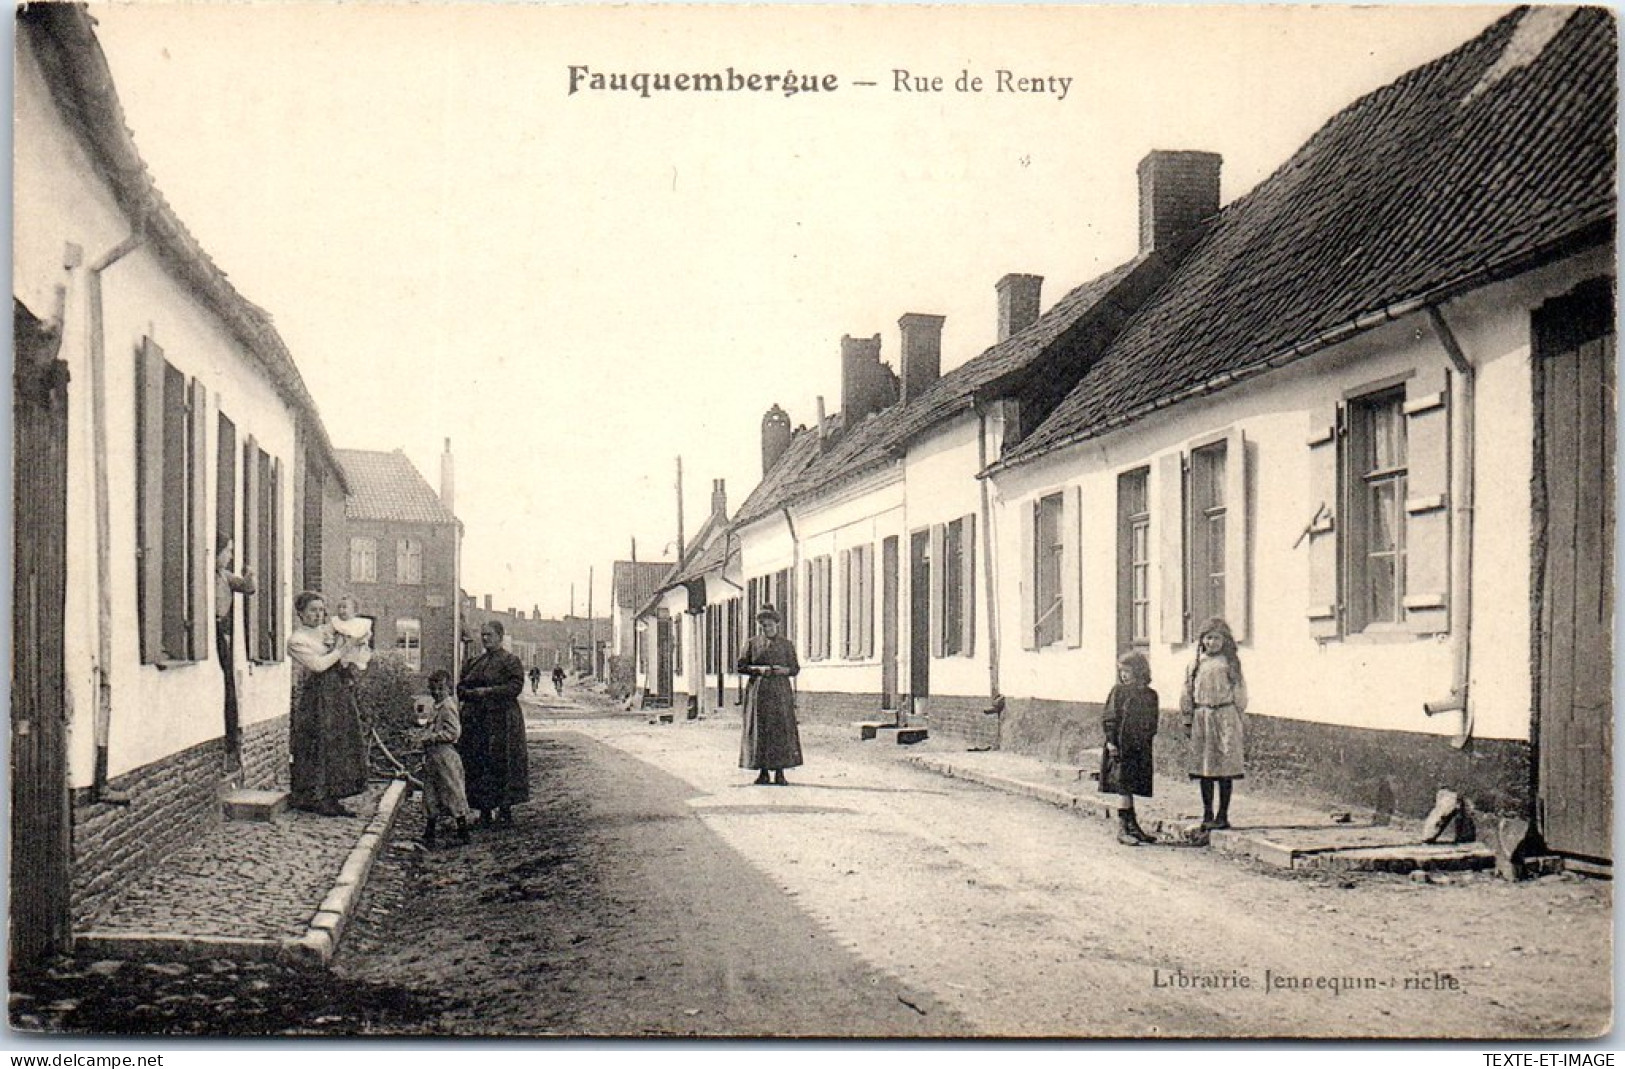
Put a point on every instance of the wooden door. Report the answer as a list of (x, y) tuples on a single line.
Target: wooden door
[(1574, 515), (665, 668), (41, 857), (919, 615)]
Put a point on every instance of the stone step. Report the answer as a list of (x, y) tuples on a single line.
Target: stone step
[(263, 806), (910, 736), (868, 729)]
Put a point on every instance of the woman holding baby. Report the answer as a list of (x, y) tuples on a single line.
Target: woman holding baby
[(329, 756)]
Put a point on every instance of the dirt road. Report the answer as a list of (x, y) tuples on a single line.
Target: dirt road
[(649, 889), (1026, 920)]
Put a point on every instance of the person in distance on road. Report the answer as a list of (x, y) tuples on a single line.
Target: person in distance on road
[(770, 741)]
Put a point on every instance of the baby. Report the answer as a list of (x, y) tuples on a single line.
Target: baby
[(345, 622)]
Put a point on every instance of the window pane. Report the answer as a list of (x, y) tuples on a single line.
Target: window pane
[(1388, 435)]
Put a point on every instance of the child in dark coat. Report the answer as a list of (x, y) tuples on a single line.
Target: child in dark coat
[(1129, 723)]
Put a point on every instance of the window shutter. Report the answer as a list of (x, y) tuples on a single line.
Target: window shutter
[(1028, 587), (848, 617), (1171, 522), (1325, 602), (866, 601), (150, 498), (811, 644), (201, 543), (1427, 501), (938, 601), (1237, 535), (1072, 566), (251, 549), (967, 580), (273, 596)]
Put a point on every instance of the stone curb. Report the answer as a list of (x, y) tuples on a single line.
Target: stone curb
[(314, 949), (1396, 858)]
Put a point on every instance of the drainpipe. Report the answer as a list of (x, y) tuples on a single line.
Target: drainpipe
[(1462, 562), (988, 559), (104, 593)]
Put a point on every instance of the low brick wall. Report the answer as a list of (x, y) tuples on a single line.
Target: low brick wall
[(834, 707), (1391, 771), (965, 719), (961, 718), (171, 802)]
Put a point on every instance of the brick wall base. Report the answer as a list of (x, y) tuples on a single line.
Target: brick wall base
[(171, 802), (265, 754), (834, 707), (1396, 771), (961, 718)]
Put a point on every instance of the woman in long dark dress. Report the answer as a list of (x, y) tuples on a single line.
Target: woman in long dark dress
[(770, 741), (329, 754), (495, 766)]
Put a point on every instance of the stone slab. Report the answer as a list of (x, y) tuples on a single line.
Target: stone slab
[(242, 804)]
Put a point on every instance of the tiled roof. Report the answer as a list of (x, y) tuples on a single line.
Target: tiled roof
[(1468, 168), (635, 582), (1060, 336), (385, 486), (883, 435), (776, 486), (64, 39)]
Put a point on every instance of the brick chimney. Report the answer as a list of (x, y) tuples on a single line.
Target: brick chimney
[(487, 603), (922, 352), (1177, 191), (448, 480), (775, 437), (867, 385), (1018, 302), (719, 498)]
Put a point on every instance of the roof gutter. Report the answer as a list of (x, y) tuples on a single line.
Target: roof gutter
[(1462, 555), (1324, 340)]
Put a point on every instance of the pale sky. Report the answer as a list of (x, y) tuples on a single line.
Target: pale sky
[(576, 289)]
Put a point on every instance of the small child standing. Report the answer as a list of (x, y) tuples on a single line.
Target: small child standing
[(345, 622), (1212, 706), (1129, 724), (443, 791)]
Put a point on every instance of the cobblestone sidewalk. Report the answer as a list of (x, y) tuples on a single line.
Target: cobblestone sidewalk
[(245, 880)]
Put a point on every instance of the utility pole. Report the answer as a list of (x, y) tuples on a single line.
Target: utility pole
[(592, 630), (679, 509)]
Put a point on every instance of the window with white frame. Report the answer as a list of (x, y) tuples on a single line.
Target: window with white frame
[(408, 561), (1133, 559), (1376, 505), (174, 553), (1379, 539), (1048, 547), (363, 560), (409, 642), (1205, 528)]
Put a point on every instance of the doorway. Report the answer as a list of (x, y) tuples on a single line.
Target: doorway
[(1574, 518), (919, 620)]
